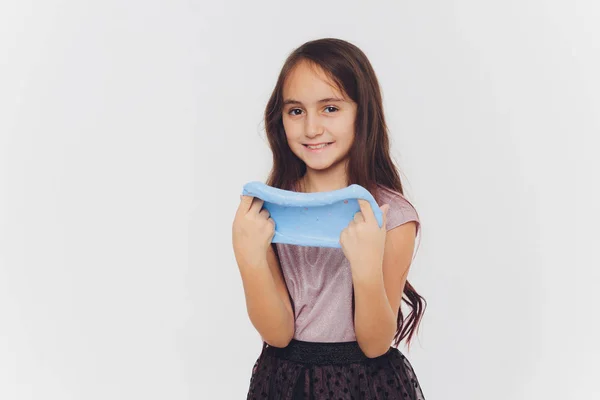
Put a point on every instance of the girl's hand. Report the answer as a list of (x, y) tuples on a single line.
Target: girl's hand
[(252, 232), (363, 241)]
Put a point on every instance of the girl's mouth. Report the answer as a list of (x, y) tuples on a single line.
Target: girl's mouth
[(317, 148)]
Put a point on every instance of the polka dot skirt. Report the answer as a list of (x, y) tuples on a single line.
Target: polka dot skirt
[(339, 371)]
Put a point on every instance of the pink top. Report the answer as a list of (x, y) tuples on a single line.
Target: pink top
[(319, 280)]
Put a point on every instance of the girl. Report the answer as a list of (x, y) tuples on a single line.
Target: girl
[(327, 316)]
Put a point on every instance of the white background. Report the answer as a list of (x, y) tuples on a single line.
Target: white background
[(127, 130)]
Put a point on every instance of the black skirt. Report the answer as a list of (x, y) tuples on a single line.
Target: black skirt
[(315, 371)]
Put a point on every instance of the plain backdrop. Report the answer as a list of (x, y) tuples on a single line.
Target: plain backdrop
[(127, 129)]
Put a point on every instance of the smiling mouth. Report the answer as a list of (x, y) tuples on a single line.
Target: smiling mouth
[(317, 146)]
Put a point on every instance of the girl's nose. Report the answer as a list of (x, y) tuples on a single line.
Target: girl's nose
[(313, 128), (313, 133)]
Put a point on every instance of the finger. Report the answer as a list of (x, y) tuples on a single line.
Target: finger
[(343, 234), (256, 205), (264, 213), (366, 210), (245, 202), (358, 217), (244, 207)]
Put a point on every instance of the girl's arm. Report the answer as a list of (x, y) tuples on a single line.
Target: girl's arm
[(267, 300), (378, 294)]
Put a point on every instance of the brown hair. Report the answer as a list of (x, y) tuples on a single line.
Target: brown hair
[(369, 163)]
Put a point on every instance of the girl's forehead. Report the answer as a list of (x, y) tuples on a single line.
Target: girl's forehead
[(309, 84)]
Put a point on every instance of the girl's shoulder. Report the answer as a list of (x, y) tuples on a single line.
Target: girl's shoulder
[(401, 210)]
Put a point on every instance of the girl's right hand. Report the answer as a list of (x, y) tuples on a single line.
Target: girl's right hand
[(252, 232)]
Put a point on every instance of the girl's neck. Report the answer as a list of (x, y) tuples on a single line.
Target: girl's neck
[(323, 181)]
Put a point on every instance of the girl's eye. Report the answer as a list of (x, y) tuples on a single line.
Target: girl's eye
[(291, 112)]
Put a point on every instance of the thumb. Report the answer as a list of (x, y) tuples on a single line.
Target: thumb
[(384, 209)]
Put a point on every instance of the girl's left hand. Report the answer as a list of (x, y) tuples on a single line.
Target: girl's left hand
[(363, 241)]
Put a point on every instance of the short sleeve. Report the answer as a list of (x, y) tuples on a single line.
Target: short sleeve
[(401, 210)]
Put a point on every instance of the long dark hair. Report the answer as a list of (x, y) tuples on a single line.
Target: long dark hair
[(369, 163)]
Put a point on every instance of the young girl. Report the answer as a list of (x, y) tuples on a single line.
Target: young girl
[(327, 316)]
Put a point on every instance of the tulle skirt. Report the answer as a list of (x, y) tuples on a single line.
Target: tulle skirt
[(315, 371)]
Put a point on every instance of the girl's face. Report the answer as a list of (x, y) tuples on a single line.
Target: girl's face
[(318, 119)]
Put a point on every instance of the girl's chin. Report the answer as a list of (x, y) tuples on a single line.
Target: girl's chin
[(320, 166)]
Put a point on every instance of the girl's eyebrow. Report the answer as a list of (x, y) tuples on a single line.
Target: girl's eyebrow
[(327, 100)]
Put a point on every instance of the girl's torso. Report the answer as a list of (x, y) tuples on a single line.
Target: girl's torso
[(319, 280)]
